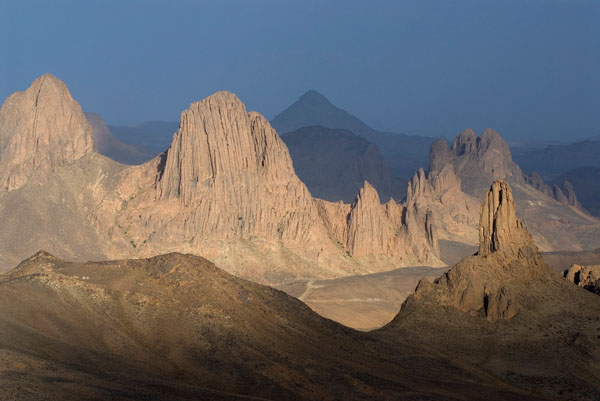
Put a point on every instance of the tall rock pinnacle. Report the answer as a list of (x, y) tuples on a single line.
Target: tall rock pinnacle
[(489, 283), (40, 129), (499, 227)]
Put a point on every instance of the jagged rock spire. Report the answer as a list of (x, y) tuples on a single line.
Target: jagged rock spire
[(499, 228), (40, 129)]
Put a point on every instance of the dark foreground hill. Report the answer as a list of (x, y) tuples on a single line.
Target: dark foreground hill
[(177, 327)]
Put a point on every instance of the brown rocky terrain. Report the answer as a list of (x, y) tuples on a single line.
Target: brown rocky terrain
[(110, 146), (506, 312), (334, 163), (225, 189), (500, 325), (41, 129), (587, 277), (364, 302), (177, 327), (476, 161)]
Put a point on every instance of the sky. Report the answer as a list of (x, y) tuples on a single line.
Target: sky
[(528, 68)]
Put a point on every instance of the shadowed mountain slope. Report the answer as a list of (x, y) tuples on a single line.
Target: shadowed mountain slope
[(153, 135), (554, 160), (404, 153), (334, 164), (176, 327), (108, 145), (586, 183)]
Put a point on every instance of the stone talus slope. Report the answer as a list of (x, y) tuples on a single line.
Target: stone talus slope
[(176, 327), (484, 284), (41, 129)]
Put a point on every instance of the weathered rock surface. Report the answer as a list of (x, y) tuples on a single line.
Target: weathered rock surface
[(504, 310), (456, 213), (483, 284), (587, 277), (477, 160), (41, 129), (334, 163), (108, 145), (555, 225), (226, 190)]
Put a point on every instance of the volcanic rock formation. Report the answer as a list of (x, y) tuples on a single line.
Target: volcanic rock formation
[(225, 189), (482, 284), (554, 224), (477, 160), (507, 312), (41, 129)]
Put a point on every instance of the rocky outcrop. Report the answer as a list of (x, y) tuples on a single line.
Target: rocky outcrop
[(485, 284), (587, 277), (477, 160), (499, 227), (402, 231), (108, 145), (41, 129), (439, 191), (563, 194), (229, 177)]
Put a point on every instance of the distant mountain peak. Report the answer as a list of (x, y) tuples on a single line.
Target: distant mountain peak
[(41, 128), (315, 98)]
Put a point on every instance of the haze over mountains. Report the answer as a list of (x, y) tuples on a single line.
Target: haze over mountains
[(403, 153), (334, 163)]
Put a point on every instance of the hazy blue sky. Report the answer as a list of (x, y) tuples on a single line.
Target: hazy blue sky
[(527, 68)]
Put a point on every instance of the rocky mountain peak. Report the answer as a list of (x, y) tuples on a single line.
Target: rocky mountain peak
[(314, 98), (40, 129), (218, 140), (477, 160), (465, 142), (499, 227)]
